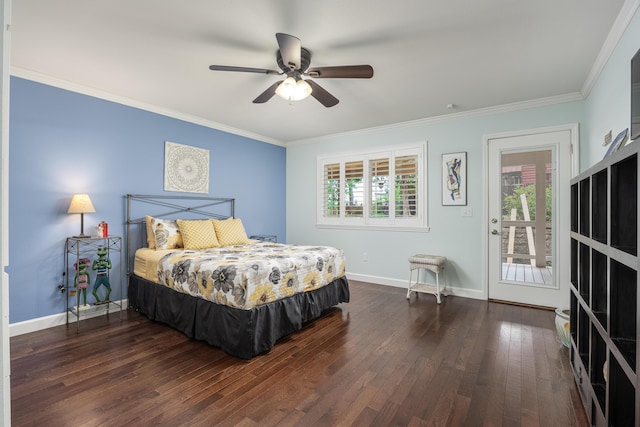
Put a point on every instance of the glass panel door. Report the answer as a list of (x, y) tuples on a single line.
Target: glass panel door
[(527, 207), (528, 213)]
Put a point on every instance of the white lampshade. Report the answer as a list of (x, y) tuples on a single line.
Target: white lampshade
[(293, 90), (81, 203)]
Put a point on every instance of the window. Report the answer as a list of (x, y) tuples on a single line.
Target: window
[(331, 190), (384, 188), (406, 185), (379, 200), (354, 192)]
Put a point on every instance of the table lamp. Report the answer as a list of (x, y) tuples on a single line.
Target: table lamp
[(81, 203)]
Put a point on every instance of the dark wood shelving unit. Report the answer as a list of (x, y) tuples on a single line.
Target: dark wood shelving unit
[(604, 288)]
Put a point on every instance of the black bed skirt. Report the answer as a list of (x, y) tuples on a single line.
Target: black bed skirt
[(241, 333)]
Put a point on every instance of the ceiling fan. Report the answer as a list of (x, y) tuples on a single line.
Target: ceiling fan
[(294, 60)]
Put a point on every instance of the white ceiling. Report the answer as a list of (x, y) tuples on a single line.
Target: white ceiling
[(426, 54)]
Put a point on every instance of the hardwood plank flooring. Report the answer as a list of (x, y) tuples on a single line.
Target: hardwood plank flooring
[(379, 360)]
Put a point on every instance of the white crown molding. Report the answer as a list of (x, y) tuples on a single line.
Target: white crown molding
[(97, 93), (505, 108), (620, 25)]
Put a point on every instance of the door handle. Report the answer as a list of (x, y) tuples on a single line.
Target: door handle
[(494, 231)]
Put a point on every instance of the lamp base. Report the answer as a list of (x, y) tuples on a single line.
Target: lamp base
[(81, 235)]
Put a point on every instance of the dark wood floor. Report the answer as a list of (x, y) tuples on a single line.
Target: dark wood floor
[(379, 360)]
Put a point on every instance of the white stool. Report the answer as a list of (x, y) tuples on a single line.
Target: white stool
[(434, 263)]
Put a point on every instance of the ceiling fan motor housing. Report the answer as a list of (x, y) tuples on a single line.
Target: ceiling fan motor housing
[(305, 61)]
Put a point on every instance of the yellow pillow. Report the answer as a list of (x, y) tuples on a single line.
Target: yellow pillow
[(166, 233), (198, 234), (230, 232), (151, 240)]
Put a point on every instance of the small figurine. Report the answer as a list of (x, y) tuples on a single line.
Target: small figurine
[(103, 229), (82, 279), (101, 265)]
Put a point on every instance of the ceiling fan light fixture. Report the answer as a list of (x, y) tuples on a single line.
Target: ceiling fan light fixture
[(292, 90)]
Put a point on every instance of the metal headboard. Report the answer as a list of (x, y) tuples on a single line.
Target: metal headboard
[(168, 207)]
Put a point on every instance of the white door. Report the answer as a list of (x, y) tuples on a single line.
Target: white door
[(528, 218)]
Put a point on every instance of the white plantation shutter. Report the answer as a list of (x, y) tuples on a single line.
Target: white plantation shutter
[(379, 185), (406, 186), (381, 189), (331, 190), (354, 188)]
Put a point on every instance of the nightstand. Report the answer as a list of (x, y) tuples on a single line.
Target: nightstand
[(80, 251)]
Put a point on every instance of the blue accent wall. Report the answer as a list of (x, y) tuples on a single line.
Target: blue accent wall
[(62, 143)]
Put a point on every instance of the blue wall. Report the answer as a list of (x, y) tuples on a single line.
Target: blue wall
[(63, 143)]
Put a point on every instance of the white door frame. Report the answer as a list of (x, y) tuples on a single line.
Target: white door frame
[(575, 167), (5, 358)]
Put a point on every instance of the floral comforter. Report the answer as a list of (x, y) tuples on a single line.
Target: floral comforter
[(247, 276)]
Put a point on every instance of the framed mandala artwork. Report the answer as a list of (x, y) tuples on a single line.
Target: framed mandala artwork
[(186, 168)]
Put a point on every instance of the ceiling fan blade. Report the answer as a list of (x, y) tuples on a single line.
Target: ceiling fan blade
[(346, 71), (319, 93), (243, 69), (290, 50), (267, 94)]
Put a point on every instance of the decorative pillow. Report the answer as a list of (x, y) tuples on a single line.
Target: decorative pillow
[(198, 234), (151, 240), (166, 233), (230, 232)]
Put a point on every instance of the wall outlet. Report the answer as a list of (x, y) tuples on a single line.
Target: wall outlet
[(466, 211), (365, 257)]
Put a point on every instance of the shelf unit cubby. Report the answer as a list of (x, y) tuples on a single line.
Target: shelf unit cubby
[(604, 288), (599, 306)]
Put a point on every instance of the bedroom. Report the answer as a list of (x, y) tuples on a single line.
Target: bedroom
[(67, 141)]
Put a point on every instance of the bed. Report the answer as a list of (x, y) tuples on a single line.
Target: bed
[(235, 293)]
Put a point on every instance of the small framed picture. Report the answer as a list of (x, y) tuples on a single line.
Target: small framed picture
[(454, 179)]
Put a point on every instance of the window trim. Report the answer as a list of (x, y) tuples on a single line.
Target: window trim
[(391, 223)]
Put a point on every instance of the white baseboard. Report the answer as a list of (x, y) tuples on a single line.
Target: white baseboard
[(33, 325), (451, 290)]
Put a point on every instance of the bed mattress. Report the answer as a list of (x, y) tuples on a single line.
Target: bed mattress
[(243, 276)]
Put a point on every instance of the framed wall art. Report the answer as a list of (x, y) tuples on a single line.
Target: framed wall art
[(186, 168), (454, 179)]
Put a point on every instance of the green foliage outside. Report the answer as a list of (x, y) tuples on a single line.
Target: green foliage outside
[(333, 197), (380, 204), (513, 201)]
